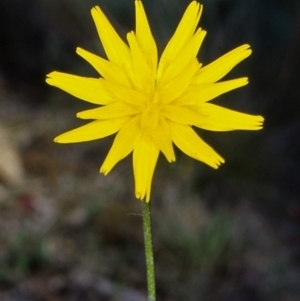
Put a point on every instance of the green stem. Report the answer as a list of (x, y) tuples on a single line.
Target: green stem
[(148, 251)]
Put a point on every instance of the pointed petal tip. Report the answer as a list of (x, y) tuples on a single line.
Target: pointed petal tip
[(59, 139), (83, 115)]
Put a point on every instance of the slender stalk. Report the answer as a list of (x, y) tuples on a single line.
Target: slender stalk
[(149, 251)]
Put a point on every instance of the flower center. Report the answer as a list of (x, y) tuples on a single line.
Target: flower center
[(150, 115)]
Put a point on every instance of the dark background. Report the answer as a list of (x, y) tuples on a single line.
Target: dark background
[(69, 233)]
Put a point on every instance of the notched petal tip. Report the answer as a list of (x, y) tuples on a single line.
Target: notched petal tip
[(50, 76), (200, 10), (260, 122), (171, 160), (130, 35), (96, 9), (143, 198), (103, 171), (247, 47), (244, 81), (222, 161), (219, 161), (140, 196), (195, 5)]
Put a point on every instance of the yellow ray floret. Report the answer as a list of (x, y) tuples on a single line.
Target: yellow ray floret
[(95, 130), (145, 38), (145, 156), (108, 70), (89, 89), (151, 104), (115, 48), (184, 32), (196, 95), (111, 111), (123, 145)]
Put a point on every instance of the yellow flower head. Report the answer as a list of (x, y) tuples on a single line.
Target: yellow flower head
[(151, 104)]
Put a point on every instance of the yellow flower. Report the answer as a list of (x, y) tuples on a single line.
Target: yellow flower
[(151, 104)]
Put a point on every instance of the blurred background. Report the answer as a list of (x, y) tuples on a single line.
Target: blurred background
[(68, 233)]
